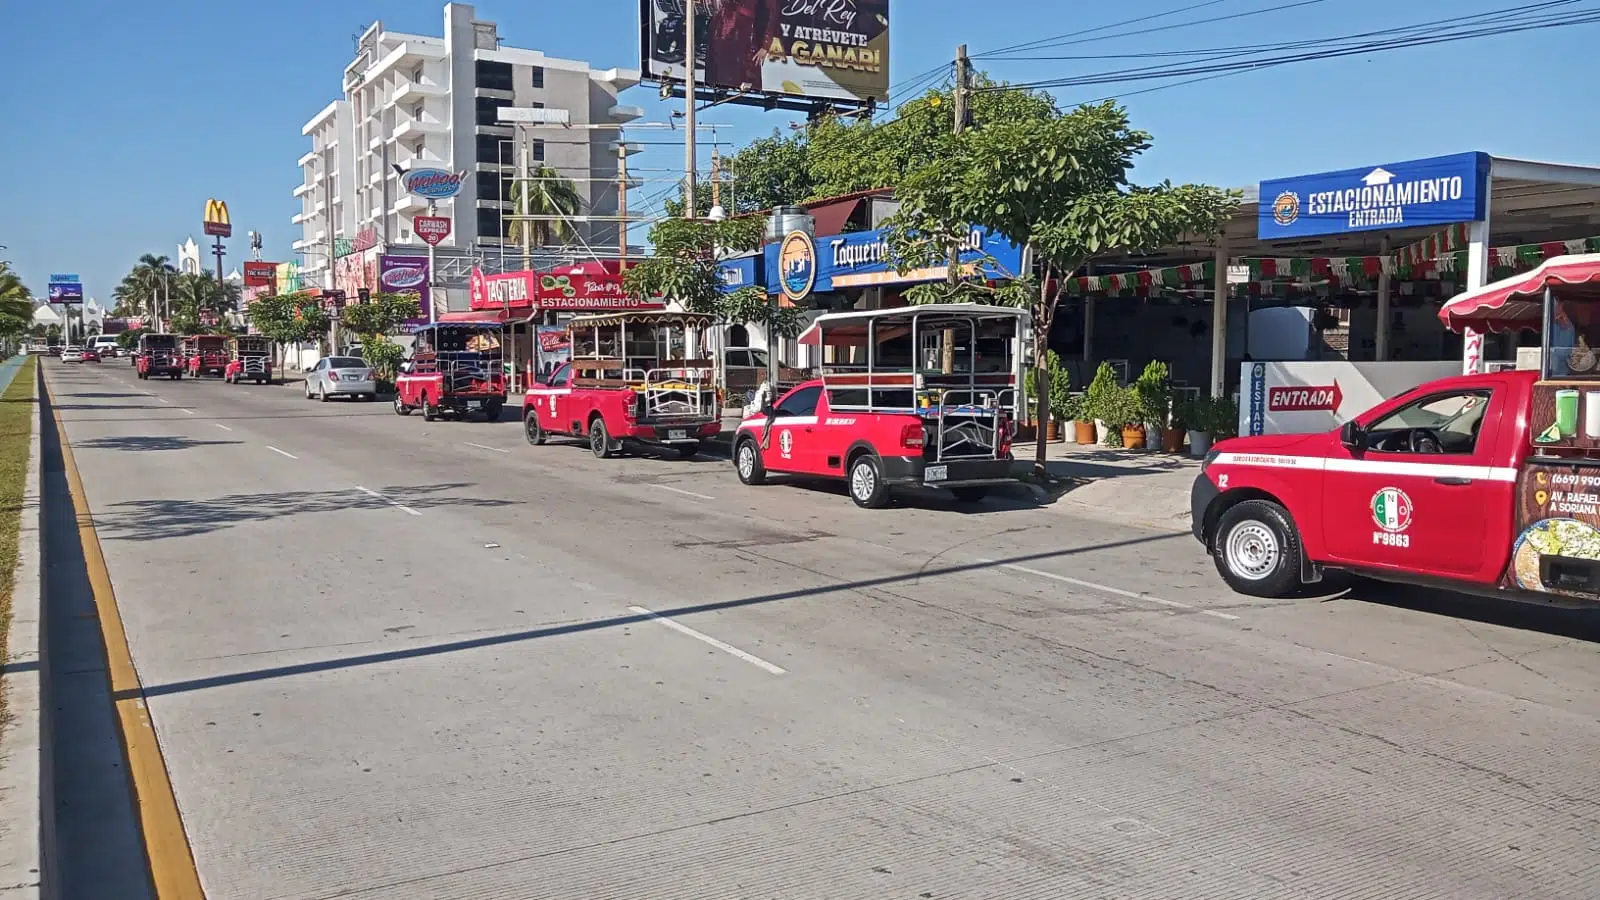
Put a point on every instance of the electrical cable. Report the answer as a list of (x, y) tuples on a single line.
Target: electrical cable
[(1078, 37)]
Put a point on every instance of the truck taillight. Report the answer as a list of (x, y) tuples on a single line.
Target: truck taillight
[(911, 436)]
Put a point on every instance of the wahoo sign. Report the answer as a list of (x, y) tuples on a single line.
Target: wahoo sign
[(1442, 190), (434, 184)]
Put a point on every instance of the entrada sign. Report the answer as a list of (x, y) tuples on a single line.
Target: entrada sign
[(434, 184), (1442, 190)]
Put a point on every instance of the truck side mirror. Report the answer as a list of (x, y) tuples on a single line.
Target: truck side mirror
[(1351, 435)]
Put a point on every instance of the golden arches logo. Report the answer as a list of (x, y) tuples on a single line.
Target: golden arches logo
[(216, 220)]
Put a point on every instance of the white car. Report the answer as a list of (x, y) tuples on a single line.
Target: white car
[(72, 354)]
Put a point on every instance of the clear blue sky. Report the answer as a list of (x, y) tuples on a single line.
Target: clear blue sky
[(122, 118)]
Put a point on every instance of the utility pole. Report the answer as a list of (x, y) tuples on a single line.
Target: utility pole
[(716, 177), (525, 197), (690, 164), (327, 220), (947, 360), (622, 204)]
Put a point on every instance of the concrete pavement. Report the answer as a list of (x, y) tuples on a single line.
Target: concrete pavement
[(389, 658)]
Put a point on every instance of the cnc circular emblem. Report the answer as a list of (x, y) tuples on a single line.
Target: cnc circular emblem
[(1391, 510), (785, 441), (1286, 208), (797, 265)]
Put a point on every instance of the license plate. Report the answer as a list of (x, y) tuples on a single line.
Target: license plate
[(677, 434), (936, 473)]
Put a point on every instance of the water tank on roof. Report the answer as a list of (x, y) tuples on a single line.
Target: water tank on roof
[(787, 219)]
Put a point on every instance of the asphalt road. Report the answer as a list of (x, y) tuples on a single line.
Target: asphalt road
[(396, 659)]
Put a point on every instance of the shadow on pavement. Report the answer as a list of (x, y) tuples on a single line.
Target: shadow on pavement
[(154, 520), (96, 395), (1577, 624), (620, 621), (92, 842), (145, 442)]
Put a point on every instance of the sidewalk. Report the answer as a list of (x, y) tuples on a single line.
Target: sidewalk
[(1143, 487)]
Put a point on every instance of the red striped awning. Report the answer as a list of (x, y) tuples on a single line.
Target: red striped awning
[(1518, 302)]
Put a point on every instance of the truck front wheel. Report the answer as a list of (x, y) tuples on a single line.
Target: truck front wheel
[(1257, 549)]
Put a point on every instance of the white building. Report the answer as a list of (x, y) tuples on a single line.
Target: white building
[(417, 101)]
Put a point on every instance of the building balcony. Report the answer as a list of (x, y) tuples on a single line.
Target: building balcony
[(411, 128), (301, 190), (376, 142), (409, 203), (302, 244), (621, 113), (408, 89), (300, 218), (306, 160)]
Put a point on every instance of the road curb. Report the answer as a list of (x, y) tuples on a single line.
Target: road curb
[(21, 744)]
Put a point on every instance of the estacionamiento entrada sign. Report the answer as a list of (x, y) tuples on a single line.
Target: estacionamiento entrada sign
[(1441, 190)]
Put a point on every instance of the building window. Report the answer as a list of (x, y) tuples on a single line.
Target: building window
[(416, 74), (538, 76), (490, 151), (489, 223), (416, 112), (488, 188), (538, 151), (488, 109), (494, 76)]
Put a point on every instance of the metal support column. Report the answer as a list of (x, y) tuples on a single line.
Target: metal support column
[(1219, 318)]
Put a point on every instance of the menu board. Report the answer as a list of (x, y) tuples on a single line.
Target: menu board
[(1558, 514), (1566, 415)]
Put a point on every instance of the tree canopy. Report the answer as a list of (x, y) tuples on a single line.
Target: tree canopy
[(685, 268)]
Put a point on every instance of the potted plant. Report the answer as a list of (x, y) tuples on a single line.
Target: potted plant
[(1101, 391), (1123, 417), (1153, 389), (1177, 423), (1083, 431), (1060, 395), (1195, 415), (1224, 419)]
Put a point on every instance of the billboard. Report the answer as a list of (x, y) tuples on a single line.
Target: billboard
[(66, 292), (260, 274), (836, 50), (217, 223), (405, 275), (588, 287), (1441, 190)]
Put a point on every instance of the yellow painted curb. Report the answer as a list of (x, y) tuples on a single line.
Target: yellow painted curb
[(166, 844)]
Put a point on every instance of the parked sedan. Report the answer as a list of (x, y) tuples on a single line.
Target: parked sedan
[(336, 376)]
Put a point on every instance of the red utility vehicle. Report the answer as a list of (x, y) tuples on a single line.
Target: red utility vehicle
[(158, 355), (206, 355), (1484, 483), (919, 396), (249, 359), (454, 367), (629, 385)]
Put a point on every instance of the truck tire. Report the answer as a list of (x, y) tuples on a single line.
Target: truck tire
[(429, 411), (532, 430), (600, 439), (970, 494), (1257, 549), (866, 483), (688, 451), (491, 411), (400, 409), (747, 462)]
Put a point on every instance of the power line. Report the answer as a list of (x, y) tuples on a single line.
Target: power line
[(1479, 29), (1080, 37)]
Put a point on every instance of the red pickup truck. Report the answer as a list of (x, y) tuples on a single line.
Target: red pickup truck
[(1445, 485)]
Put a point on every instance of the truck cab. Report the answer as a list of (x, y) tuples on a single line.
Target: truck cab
[(1484, 483), (917, 397), (158, 355), (207, 355)]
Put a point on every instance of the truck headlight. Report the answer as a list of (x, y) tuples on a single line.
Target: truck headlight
[(1206, 464)]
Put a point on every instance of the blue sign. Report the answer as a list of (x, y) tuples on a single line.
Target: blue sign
[(862, 258), (434, 184), (741, 273), (1444, 190), (63, 279), (66, 292)]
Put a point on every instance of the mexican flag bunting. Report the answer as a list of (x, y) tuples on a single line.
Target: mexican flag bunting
[(1144, 279), (1339, 268), (1573, 247), (1505, 257), (1116, 283)]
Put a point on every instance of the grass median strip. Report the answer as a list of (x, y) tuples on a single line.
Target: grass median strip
[(16, 427)]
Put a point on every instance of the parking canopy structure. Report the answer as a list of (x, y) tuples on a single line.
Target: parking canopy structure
[(1496, 215)]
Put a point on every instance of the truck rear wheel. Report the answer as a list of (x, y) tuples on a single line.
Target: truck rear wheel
[(599, 439), (429, 411), (491, 411), (1257, 549), (532, 429), (866, 483)]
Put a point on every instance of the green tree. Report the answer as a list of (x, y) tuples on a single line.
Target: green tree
[(16, 303), (143, 288), (544, 193), (684, 268), (129, 339), (289, 319), (1058, 185), (373, 322)]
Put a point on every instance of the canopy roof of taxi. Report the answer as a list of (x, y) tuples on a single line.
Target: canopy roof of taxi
[(643, 317), (850, 328), (1518, 301)]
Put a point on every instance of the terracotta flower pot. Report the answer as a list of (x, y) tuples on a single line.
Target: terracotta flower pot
[(1053, 431), (1026, 431), (1085, 431), (1171, 440), (1133, 437)]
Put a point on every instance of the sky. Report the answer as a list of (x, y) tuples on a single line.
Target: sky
[(120, 119)]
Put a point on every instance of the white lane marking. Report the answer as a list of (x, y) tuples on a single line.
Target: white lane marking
[(397, 505), (222, 426), (682, 491), (189, 411), (482, 447), (283, 452), (727, 648), (163, 399), (1108, 589)]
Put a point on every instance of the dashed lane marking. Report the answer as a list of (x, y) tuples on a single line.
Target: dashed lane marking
[(483, 447), (394, 503), (222, 426), (666, 487), (282, 452), (189, 411), (1114, 591), (727, 648)]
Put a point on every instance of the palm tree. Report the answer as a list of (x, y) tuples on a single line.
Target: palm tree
[(151, 279), (16, 302), (544, 193)]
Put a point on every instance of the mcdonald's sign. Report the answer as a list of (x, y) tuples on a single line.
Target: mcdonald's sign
[(217, 223)]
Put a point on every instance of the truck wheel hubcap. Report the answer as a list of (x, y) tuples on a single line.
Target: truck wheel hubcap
[(862, 481), (747, 461), (1252, 550)]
